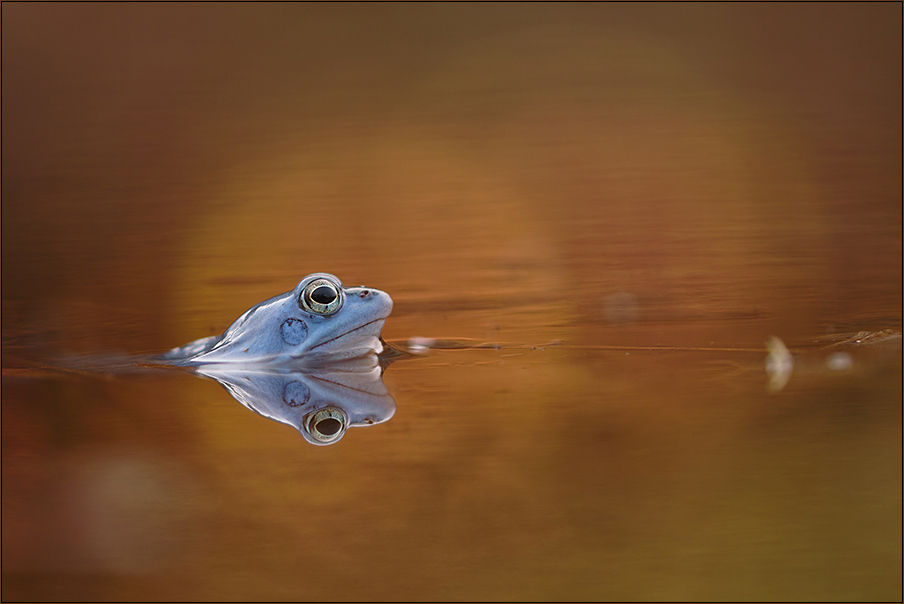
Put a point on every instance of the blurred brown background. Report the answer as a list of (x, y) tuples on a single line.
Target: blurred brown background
[(596, 174)]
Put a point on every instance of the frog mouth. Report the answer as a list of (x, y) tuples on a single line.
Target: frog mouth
[(351, 331)]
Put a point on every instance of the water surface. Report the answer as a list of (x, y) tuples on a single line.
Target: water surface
[(630, 200)]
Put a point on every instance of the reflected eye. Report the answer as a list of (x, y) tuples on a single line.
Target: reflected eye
[(327, 425), (321, 297)]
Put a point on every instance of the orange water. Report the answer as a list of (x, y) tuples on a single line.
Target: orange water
[(589, 176)]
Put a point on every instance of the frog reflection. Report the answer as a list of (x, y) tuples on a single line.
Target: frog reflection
[(321, 402), (319, 319)]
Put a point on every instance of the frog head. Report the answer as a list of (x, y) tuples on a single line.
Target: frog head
[(319, 320)]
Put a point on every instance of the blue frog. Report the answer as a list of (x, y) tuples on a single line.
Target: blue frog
[(318, 322)]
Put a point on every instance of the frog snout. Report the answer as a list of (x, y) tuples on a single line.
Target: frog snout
[(373, 295)]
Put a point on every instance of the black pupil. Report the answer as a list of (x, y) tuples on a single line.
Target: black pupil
[(328, 426), (323, 295)]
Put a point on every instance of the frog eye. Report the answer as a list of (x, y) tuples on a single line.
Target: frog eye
[(326, 425), (321, 297)]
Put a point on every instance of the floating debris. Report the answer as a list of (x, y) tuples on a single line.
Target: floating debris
[(885, 337), (419, 345), (839, 361), (779, 364)]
